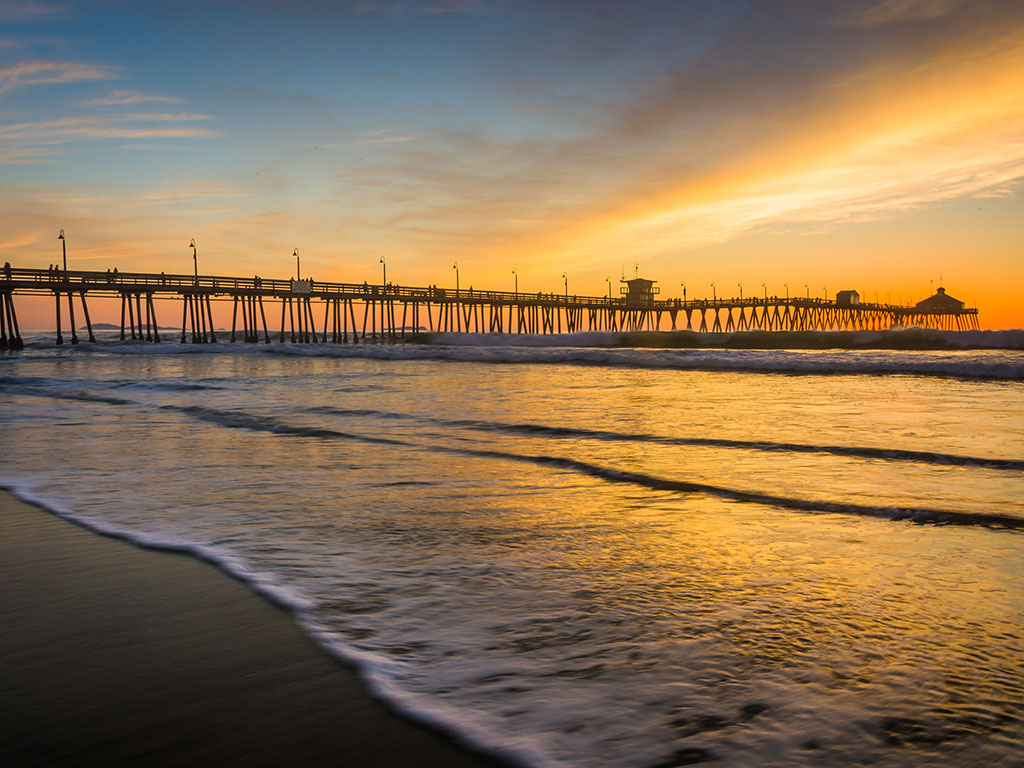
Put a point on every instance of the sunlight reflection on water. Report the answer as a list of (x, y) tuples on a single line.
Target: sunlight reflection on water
[(554, 614)]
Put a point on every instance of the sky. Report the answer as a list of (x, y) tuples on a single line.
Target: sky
[(800, 146)]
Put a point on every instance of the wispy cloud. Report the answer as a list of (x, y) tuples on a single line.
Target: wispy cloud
[(25, 156), (35, 141), (28, 73), (20, 241), (115, 98), (892, 11), (126, 125), (19, 11), (413, 7), (192, 190), (384, 137), (454, 6)]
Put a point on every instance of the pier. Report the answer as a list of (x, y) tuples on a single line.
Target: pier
[(307, 311)]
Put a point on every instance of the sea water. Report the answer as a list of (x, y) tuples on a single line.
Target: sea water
[(581, 556)]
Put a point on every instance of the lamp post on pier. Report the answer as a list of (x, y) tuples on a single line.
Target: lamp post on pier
[(566, 279), (516, 276), (740, 286), (684, 292), (608, 280), (64, 250), (384, 267), (714, 296), (787, 291), (195, 260), (455, 266), (765, 292), (808, 291), (298, 271)]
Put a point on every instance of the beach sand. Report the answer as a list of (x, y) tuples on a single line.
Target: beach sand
[(114, 654)]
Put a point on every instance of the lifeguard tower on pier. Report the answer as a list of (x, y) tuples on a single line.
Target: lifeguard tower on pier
[(639, 292)]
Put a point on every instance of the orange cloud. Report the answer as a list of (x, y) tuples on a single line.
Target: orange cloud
[(28, 73)]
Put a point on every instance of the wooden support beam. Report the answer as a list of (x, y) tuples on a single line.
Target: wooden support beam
[(71, 317), (156, 326), (4, 298), (56, 295), (88, 322), (263, 318)]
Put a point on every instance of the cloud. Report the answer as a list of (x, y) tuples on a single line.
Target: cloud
[(189, 190), (999, 193), (785, 120), (383, 137), (126, 125), (454, 6), (15, 11), (27, 238), (891, 11), (28, 73), (129, 97)]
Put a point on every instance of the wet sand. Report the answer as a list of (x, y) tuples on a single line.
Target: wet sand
[(114, 654)]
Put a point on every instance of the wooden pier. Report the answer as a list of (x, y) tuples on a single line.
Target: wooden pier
[(360, 313)]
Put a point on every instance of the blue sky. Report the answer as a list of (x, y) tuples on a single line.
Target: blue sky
[(778, 142)]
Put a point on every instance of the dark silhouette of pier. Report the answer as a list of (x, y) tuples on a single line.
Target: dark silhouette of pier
[(308, 311)]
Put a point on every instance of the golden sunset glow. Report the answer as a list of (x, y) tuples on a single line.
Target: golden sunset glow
[(877, 146)]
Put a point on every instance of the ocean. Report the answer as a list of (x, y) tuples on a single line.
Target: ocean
[(585, 555)]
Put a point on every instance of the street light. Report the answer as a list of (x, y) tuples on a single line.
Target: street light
[(787, 291), (566, 279), (195, 258), (741, 290), (298, 272), (765, 291), (608, 280), (516, 275), (714, 296), (808, 290), (384, 266), (684, 292), (64, 248), (825, 289), (455, 266)]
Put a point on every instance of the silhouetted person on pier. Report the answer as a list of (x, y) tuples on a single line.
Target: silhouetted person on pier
[(110, 278), (7, 270), (115, 274)]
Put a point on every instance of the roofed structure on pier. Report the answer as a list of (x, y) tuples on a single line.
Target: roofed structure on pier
[(639, 292), (940, 302), (847, 298)]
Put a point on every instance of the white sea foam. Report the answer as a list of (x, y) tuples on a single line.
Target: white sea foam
[(995, 355)]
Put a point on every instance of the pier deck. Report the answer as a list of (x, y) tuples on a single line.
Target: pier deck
[(364, 312)]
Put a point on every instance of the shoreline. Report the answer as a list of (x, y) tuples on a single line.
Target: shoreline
[(113, 653)]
